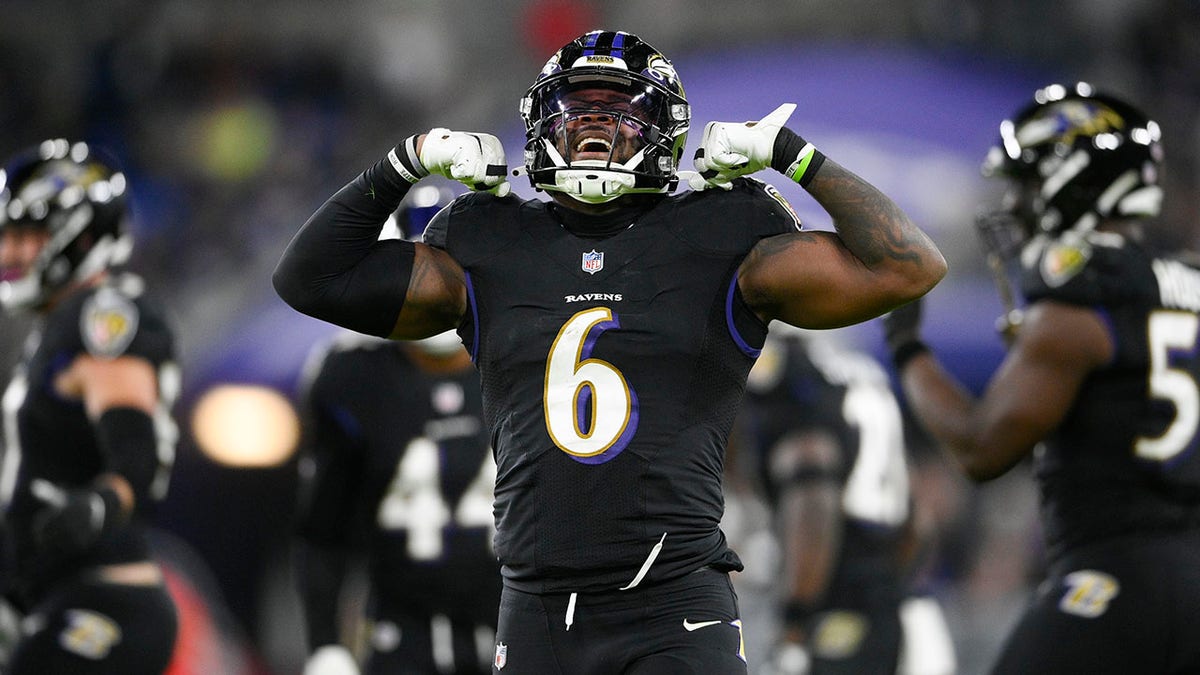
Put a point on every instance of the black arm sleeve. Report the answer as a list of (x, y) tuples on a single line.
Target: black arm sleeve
[(336, 269), (129, 442)]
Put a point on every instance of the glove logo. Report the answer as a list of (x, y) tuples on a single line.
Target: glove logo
[(593, 261)]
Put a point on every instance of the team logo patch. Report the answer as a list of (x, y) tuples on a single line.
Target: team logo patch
[(659, 68), (89, 634), (108, 323), (501, 656), (593, 261), (1088, 593), (1062, 261), (839, 634)]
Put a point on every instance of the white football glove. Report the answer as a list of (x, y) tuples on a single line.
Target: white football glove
[(474, 159), (731, 149), (331, 660)]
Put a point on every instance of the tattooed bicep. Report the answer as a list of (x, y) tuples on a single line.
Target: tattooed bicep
[(437, 279)]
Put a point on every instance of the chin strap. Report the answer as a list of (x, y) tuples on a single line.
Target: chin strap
[(593, 186)]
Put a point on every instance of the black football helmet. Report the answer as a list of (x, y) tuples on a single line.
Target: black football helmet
[(1074, 157), (78, 198), (640, 89)]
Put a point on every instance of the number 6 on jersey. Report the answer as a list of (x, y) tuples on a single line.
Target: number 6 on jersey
[(591, 412)]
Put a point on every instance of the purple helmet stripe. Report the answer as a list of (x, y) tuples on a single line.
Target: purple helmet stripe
[(589, 43), (618, 45)]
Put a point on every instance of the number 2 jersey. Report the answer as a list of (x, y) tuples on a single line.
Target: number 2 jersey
[(1124, 460), (612, 369)]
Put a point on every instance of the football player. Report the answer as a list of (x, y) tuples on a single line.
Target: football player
[(398, 472), (89, 439), (613, 327), (825, 435), (1099, 385)]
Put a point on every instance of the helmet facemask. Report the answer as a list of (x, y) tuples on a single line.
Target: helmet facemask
[(596, 129)]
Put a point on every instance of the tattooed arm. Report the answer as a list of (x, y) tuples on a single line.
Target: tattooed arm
[(877, 260)]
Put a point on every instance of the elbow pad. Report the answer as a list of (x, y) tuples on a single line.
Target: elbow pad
[(129, 444)]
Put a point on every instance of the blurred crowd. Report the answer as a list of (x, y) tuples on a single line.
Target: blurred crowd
[(235, 119)]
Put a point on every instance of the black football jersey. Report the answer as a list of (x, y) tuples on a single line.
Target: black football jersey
[(1125, 458), (612, 370), (402, 467), (50, 438), (805, 384)]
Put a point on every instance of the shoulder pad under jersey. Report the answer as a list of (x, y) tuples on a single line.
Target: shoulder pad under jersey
[(1099, 268), (478, 224), (735, 219), (111, 320)]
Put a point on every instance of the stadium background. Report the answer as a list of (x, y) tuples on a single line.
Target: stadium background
[(235, 120)]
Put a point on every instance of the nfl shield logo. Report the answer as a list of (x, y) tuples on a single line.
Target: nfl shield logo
[(593, 262), (501, 655)]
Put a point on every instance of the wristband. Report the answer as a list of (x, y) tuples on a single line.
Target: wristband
[(905, 353), (405, 161), (795, 158)]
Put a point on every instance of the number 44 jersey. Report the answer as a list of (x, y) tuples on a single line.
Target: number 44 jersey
[(1125, 458), (612, 369), (398, 460)]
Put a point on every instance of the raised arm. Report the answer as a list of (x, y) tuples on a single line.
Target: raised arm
[(336, 269), (877, 259), (1027, 398)]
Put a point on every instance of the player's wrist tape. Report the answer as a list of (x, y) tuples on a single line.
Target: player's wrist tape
[(798, 612), (406, 162), (795, 157), (906, 352)]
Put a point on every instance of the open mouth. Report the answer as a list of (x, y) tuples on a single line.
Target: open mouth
[(593, 147)]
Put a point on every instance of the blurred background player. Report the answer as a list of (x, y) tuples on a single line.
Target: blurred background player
[(399, 469), (823, 436), (1099, 385), (88, 434)]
